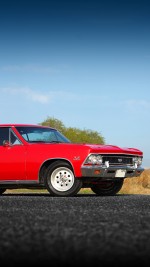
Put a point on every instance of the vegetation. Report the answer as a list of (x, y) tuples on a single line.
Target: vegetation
[(75, 135), (54, 123), (137, 185)]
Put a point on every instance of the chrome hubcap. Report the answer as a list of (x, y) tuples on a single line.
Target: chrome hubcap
[(62, 179)]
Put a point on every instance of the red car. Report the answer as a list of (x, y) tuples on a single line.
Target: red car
[(33, 156)]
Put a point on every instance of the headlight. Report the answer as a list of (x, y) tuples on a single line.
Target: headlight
[(94, 159), (137, 160)]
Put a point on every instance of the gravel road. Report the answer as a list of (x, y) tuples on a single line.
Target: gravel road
[(85, 229)]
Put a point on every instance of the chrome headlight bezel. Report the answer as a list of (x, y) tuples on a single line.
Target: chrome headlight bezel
[(94, 159), (137, 160)]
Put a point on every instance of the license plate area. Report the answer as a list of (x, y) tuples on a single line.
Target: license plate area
[(120, 173)]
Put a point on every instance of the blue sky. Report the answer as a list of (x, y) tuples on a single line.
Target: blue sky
[(86, 63)]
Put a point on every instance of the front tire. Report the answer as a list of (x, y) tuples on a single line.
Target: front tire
[(60, 180), (107, 188)]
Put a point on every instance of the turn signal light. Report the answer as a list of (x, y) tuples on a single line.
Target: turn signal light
[(97, 172)]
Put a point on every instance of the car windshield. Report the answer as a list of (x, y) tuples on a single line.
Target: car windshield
[(41, 134)]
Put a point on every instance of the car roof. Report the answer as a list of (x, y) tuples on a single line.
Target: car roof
[(19, 124), (24, 125)]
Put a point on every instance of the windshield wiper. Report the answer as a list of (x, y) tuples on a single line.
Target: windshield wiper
[(56, 141), (37, 141)]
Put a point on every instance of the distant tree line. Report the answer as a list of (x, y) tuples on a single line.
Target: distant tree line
[(74, 134)]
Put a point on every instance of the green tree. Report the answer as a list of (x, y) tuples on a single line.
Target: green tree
[(84, 136), (75, 135), (54, 123)]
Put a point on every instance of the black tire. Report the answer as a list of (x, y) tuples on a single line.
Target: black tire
[(2, 190), (107, 188), (60, 180)]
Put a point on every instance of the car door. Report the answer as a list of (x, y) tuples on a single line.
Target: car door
[(12, 156)]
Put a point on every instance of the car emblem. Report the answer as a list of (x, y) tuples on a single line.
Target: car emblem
[(119, 160), (76, 158)]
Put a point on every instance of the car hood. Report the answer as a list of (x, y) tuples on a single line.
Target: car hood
[(89, 148), (96, 148)]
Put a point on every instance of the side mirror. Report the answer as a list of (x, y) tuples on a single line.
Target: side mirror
[(6, 143)]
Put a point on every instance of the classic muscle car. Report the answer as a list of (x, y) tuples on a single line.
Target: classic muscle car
[(34, 156)]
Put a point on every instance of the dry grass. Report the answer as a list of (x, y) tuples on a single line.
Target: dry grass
[(137, 185)]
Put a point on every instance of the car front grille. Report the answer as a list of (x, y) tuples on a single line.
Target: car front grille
[(118, 160)]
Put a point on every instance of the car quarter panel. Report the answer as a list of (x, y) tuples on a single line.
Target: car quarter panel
[(38, 154)]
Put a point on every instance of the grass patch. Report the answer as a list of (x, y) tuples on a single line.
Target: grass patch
[(42, 191)]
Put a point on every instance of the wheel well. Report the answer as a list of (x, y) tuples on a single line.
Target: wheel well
[(45, 165)]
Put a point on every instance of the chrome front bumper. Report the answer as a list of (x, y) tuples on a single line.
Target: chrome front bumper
[(111, 171)]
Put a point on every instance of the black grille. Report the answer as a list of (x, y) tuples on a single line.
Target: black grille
[(118, 159)]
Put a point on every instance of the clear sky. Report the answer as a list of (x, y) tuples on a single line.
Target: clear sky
[(86, 63)]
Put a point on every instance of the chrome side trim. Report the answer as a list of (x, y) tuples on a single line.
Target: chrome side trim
[(19, 182)]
